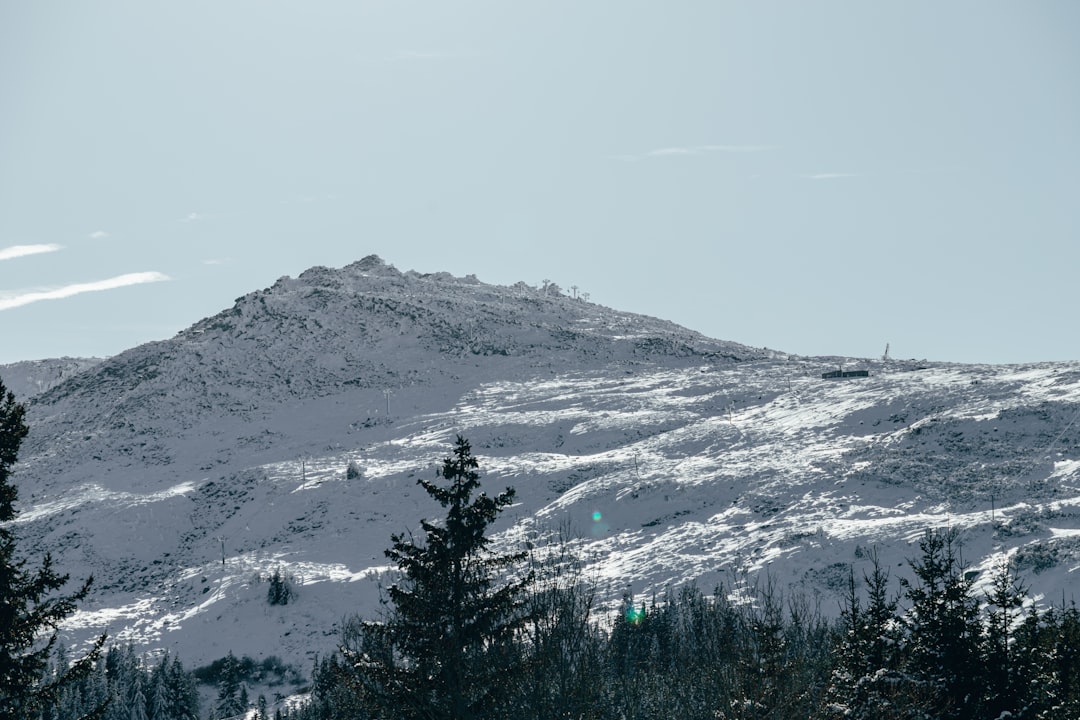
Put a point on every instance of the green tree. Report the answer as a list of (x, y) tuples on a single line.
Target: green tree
[(1006, 683), (280, 590), (232, 698), (944, 627), (447, 647), (182, 692), (30, 608), (868, 682)]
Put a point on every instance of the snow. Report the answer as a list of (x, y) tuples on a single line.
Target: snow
[(707, 461)]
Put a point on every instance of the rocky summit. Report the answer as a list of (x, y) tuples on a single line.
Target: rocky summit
[(288, 431)]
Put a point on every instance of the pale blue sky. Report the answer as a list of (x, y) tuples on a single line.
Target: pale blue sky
[(815, 177)]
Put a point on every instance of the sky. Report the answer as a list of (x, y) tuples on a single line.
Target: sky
[(820, 178)]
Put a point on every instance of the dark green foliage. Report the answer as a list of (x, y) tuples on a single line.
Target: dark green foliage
[(1006, 679), (944, 627), (447, 648), (12, 432), (133, 690), (869, 680), (280, 591), (268, 671), (565, 650), (30, 608), (1048, 655), (232, 697), (697, 657)]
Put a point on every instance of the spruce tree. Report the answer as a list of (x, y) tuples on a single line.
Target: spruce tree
[(30, 608), (867, 682), (446, 649), (182, 691), (944, 628), (137, 698), (231, 699), (1006, 684)]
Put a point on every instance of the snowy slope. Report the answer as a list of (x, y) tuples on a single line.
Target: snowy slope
[(32, 377), (670, 457)]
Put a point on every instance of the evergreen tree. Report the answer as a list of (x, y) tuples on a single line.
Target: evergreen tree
[(30, 609), (565, 649), (447, 648), (182, 691), (1006, 680), (868, 682), (944, 628), (159, 694), (137, 698), (280, 590), (229, 700)]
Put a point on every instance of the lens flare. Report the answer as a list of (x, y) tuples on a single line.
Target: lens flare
[(635, 615), (597, 517)]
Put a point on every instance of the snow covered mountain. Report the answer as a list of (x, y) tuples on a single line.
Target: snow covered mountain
[(182, 473), (32, 377)]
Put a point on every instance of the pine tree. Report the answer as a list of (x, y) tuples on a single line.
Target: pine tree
[(231, 699), (137, 699), (565, 649), (159, 694), (944, 629), (30, 609), (446, 649), (1006, 682), (867, 682), (280, 590), (183, 694)]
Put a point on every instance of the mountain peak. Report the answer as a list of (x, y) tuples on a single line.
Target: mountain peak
[(671, 457), (372, 264)]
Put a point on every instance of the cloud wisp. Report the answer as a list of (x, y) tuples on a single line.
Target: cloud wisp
[(18, 251), (689, 150), (7, 302), (98, 235)]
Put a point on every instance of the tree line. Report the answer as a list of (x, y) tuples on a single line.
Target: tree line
[(471, 634)]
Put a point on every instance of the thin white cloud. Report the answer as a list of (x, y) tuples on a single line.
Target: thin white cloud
[(193, 217), (25, 298), (832, 176), (217, 261), (18, 251), (98, 235)]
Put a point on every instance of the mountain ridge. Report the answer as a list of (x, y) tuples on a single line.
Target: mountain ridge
[(182, 471)]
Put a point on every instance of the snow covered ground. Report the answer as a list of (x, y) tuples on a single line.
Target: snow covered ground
[(182, 473)]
